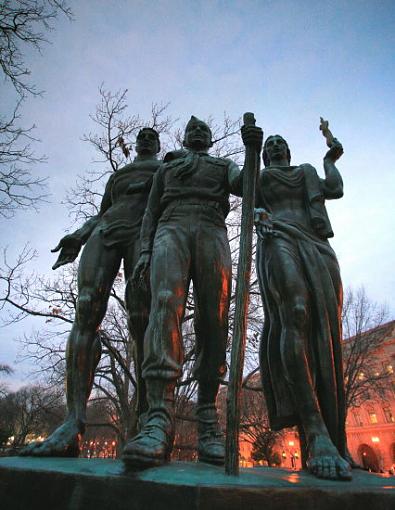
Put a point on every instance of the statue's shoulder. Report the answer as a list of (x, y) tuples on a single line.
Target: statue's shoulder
[(144, 163), (219, 161), (307, 167), (122, 170), (172, 157), (309, 171), (111, 179)]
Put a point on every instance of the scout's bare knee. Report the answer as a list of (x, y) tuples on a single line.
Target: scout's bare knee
[(166, 301), (89, 308)]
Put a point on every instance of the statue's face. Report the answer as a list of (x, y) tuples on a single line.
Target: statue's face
[(197, 135), (276, 148), (147, 143)]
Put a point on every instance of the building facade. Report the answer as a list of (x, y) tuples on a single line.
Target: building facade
[(371, 426)]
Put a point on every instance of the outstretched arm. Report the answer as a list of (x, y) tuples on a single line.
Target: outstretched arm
[(70, 245)]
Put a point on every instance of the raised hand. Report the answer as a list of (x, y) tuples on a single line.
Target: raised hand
[(69, 247), (252, 136)]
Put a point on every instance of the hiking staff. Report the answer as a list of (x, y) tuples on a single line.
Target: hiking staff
[(253, 146)]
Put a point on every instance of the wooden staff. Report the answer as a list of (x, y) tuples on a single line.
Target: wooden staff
[(241, 311)]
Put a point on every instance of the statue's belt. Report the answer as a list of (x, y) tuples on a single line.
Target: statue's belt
[(194, 201)]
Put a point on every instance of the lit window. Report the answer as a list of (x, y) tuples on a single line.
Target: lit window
[(373, 417), (361, 376), (390, 369), (389, 417)]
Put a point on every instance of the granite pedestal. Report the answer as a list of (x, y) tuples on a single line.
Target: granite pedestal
[(102, 484)]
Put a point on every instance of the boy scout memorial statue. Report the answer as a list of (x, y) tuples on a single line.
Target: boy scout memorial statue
[(111, 236), (300, 355), (184, 238)]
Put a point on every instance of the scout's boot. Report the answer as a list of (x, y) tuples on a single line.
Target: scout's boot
[(153, 444), (211, 447)]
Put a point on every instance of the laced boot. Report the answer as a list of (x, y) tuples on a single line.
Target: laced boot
[(153, 444), (211, 448)]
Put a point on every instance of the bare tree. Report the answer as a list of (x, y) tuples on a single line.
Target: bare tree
[(30, 410), (19, 188), (364, 332), (23, 24)]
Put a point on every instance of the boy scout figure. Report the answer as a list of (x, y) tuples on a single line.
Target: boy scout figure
[(184, 238)]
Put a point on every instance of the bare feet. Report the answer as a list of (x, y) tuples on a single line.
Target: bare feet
[(63, 442), (324, 460)]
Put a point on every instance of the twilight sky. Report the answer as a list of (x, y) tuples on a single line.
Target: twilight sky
[(289, 62)]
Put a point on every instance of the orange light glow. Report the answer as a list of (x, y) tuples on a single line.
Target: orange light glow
[(294, 478), (224, 296)]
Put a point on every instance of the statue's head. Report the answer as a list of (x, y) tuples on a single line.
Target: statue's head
[(147, 141), (198, 135), (275, 148)]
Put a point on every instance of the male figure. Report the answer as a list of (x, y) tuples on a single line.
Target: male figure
[(111, 236), (184, 238)]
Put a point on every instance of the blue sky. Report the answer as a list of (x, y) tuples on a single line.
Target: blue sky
[(287, 61)]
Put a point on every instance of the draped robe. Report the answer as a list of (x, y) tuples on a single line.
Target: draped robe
[(308, 246)]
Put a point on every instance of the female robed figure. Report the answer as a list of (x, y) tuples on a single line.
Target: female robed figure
[(301, 360)]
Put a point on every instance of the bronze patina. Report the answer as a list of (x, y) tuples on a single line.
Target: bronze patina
[(111, 236), (301, 359), (184, 239)]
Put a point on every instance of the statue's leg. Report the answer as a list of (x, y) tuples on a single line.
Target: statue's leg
[(333, 268), (163, 349), (97, 270), (290, 290), (138, 300), (212, 272)]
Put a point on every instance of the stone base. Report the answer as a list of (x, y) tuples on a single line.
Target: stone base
[(101, 484)]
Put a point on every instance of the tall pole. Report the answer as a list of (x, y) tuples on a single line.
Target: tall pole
[(242, 300)]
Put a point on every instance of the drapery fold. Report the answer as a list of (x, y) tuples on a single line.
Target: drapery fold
[(317, 262)]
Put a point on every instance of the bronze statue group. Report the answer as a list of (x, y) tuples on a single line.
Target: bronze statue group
[(166, 221)]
